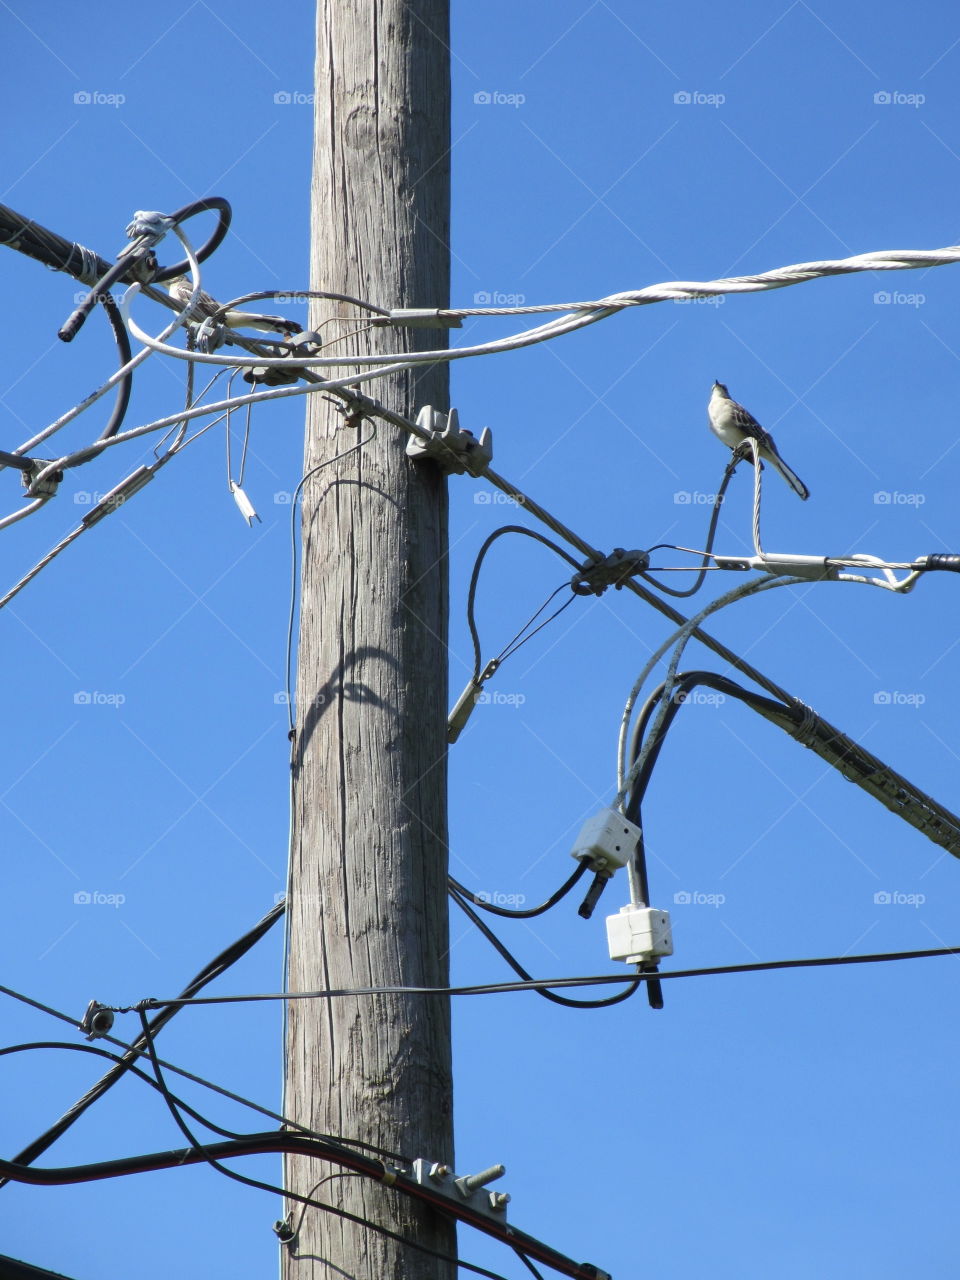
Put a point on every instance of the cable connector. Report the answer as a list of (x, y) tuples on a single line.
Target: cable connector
[(471, 1190), (420, 318), (451, 446), (458, 717), (97, 1020), (638, 934), (612, 571), (775, 562), (118, 495), (607, 841)]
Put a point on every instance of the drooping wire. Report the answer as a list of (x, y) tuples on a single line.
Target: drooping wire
[(69, 1046), (526, 913), (518, 968), (515, 643), (708, 546)]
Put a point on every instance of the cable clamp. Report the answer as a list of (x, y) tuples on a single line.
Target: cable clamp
[(45, 488), (149, 223), (96, 1021), (470, 1190), (305, 343), (453, 448), (611, 571)]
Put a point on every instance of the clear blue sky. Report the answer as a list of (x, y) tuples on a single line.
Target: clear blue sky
[(768, 1125)]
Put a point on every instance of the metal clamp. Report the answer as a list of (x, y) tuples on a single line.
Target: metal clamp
[(612, 571), (470, 1190), (97, 1020), (451, 446)]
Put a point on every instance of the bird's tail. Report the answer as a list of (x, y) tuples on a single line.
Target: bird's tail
[(791, 477)]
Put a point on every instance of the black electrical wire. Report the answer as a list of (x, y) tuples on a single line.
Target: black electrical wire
[(213, 969), (224, 213), (290, 1195), (708, 550), (518, 968), (131, 1052), (527, 913), (124, 387), (114, 1057), (474, 578)]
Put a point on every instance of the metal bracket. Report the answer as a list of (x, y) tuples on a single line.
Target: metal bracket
[(612, 571), (470, 1190), (451, 446)]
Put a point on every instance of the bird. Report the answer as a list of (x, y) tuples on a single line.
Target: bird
[(732, 423), (180, 290)]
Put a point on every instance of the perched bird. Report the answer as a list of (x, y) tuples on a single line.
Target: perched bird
[(180, 290), (732, 423)]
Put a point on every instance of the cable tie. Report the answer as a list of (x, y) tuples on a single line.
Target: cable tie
[(593, 578)]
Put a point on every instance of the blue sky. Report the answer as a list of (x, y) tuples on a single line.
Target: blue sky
[(774, 1124)]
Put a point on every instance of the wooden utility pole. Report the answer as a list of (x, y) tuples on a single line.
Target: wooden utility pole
[(368, 896)]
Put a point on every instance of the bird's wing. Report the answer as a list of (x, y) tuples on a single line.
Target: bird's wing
[(744, 421)]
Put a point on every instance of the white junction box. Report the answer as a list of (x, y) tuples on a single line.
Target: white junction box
[(607, 840), (636, 934)]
